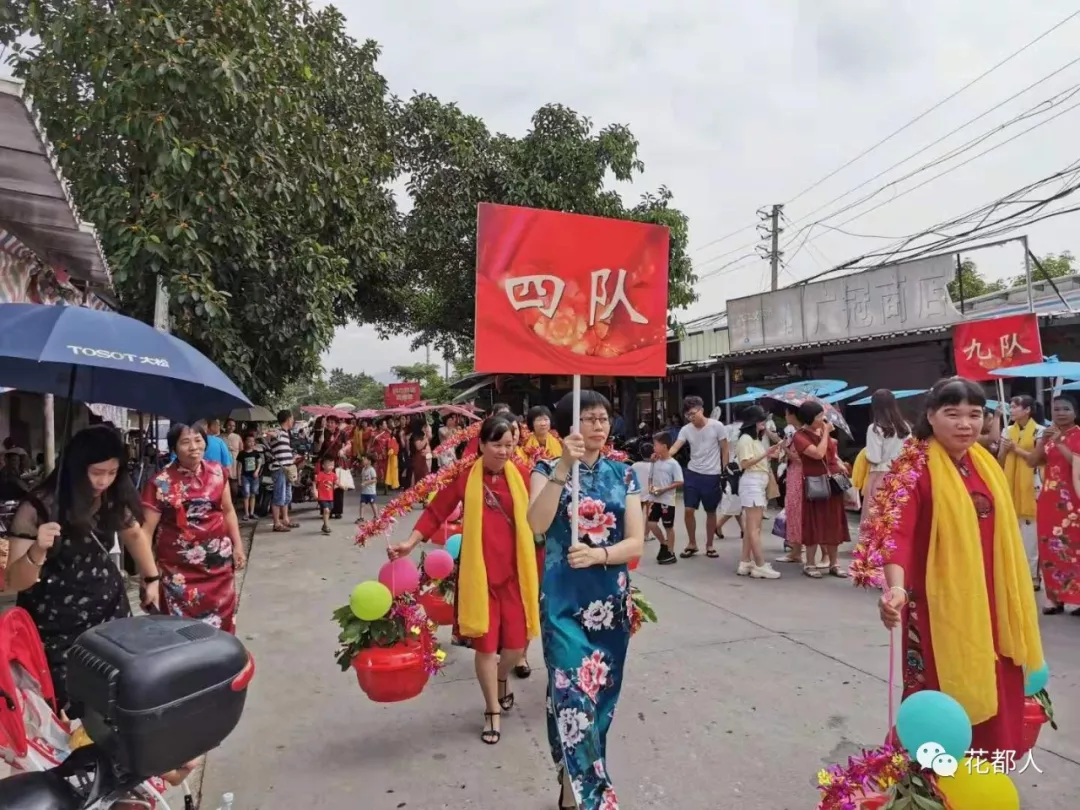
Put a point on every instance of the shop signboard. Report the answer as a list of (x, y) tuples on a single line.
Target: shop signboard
[(885, 300)]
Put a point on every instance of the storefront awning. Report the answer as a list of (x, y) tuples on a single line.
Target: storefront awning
[(35, 203), (468, 392)]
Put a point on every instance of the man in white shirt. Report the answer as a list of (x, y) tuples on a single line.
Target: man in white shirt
[(708, 458)]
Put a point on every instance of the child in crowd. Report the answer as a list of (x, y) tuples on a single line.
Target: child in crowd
[(325, 481), (664, 478), (369, 480), (249, 463)]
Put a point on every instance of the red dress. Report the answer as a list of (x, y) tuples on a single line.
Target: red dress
[(824, 523), (912, 537), (194, 551), (1058, 521), (507, 628), (379, 447)]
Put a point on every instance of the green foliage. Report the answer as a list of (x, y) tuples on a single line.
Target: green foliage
[(1053, 266), (357, 634), (974, 284), (361, 390), (454, 162), (1044, 700), (433, 386), (240, 150)]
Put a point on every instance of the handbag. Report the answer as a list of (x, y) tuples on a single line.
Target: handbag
[(779, 525), (345, 479), (818, 487), (772, 491), (840, 483)]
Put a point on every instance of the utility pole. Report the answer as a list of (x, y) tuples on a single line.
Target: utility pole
[(770, 230)]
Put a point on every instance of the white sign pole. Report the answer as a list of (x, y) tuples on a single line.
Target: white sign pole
[(575, 477), (1001, 400)]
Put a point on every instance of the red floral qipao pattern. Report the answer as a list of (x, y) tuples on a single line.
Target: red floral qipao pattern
[(194, 550)]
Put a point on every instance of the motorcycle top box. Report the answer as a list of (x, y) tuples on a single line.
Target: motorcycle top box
[(158, 691)]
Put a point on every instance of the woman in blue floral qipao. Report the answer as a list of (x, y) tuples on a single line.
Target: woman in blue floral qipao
[(585, 597)]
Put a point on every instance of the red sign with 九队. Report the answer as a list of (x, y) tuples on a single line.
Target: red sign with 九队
[(980, 347), (398, 395), (569, 294)]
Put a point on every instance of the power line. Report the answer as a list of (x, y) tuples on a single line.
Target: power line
[(946, 136), (941, 103)]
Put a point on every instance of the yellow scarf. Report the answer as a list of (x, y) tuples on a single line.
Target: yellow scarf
[(472, 575), (964, 648), (552, 446), (1018, 473), (860, 471)]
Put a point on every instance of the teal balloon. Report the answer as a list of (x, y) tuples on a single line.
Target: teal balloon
[(370, 601), (933, 717), (1036, 680), (453, 545)]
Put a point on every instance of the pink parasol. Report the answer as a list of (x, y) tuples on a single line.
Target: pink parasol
[(796, 398)]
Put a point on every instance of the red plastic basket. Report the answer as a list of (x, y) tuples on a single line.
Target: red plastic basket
[(1034, 719), (391, 674), (437, 608)]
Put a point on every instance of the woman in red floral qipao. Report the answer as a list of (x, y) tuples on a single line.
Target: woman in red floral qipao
[(1058, 508), (198, 546)]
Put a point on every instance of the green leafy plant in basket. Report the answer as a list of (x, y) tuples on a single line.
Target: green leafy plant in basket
[(641, 610)]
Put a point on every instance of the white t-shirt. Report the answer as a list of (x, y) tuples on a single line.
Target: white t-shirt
[(705, 442), (663, 473)]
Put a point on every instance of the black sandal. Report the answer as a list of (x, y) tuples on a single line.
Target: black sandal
[(1075, 612), (688, 553), (523, 670), (712, 552), (490, 736), (1053, 610), (507, 700)]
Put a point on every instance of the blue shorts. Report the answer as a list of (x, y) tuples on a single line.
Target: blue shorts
[(367, 498), (701, 490), (326, 506), (282, 488), (249, 485)]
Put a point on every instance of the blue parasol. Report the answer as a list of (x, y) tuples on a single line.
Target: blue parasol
[(817, 388), (1051, 367), (840, 396), (903, 393), (89, 355), (751, 396)]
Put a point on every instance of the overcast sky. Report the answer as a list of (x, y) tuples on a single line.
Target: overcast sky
[(741, 105)]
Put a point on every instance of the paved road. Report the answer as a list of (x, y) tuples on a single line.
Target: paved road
[(742, 692)]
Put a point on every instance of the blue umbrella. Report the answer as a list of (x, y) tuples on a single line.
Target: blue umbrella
[(901, 394), (1051, 368), (93, 356), (817, 388), (752, 396), (840, 396)]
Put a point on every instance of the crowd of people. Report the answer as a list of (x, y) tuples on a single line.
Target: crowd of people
[(954, 498)]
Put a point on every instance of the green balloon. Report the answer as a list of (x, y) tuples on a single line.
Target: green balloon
[(370, 601)]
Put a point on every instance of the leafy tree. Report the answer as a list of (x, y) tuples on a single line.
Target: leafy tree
[(974, 284), (239, 150), (1053, 266), (454, 162), (361, 390), (433, 386)]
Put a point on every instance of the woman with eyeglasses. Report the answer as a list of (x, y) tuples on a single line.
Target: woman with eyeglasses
[(585, 596)]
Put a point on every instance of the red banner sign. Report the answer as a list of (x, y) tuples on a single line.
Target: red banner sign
[(979, 347), (569, 294), (399, 395)]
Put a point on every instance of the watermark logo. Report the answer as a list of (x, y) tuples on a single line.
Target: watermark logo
[(932, 756)]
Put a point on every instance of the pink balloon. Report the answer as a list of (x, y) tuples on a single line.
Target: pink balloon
[(400, 576), (438, 564)]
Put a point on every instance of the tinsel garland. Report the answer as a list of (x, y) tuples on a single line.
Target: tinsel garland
[(416, 622), (877, 541), (418, 493)]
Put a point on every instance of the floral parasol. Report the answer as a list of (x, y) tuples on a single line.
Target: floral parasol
[(795, 398)]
